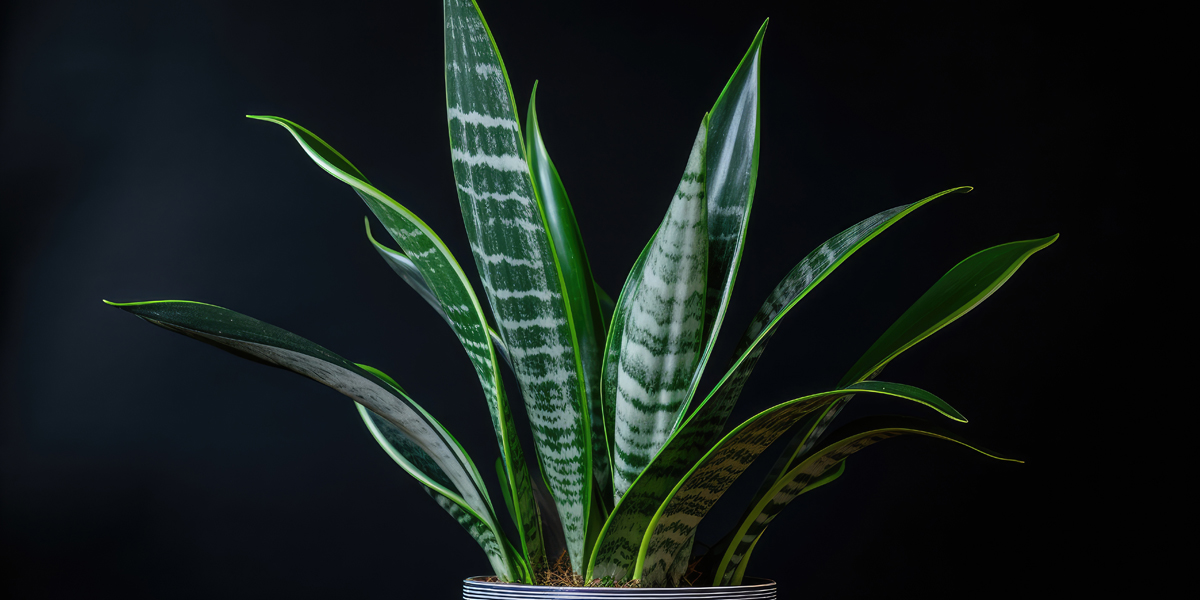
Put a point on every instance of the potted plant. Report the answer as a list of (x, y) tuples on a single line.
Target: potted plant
[(630, 455)]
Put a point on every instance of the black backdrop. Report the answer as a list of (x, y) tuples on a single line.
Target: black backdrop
[(141, 464)]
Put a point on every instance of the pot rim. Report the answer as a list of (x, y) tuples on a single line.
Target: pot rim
[(757, 583)]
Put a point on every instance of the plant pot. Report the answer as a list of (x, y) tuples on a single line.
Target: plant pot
[(476, 589)]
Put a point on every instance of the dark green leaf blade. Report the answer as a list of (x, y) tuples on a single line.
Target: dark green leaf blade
[(731, 170), (961, 289), (964, 287), (265, 343), (517, 262), (629, 526), (442, 274), (586, 313), (848, 440), (411, 457), (675, 521)]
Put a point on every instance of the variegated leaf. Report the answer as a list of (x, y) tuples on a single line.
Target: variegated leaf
[(961, 289), (582, 293), (619, 552), (707, 566), (656, 339), (412, 459), (674, 524), (848, 440), (704, 425), (517, 263), (442, 274), (427, 443)]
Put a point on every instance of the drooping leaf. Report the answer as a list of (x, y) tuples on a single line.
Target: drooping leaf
[(697, 491), (656, 340), (705, 424), (423, 446), (442, 275), (412, 458), (517, 262), (586, 313), (962, 288), (848, 440), (731, 170), (408, 271), (708, 564), (622, 549)]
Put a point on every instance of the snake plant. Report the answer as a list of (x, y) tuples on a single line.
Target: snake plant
[(629, 457)]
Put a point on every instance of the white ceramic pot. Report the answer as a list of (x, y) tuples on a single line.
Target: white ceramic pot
[(753, 589)]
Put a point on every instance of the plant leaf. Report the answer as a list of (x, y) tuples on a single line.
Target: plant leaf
[(264, 343), (849, 439), (656, 340), (445, 278), (731, 170), (698, 490), (412, 459), (962, 288), (586, 313), (622, 548), (705, 424), (515, 255)]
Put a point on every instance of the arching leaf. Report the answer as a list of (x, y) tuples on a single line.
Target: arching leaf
[(847, 440), (445, 278), (423, 446), (697, 491)]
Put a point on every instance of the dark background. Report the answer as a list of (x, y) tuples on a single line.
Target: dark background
[(141, 464)]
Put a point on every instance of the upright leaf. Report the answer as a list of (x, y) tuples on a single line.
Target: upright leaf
[(516, 259), (848, 440), (424, 448), (657, 327), (731, 170), (582, 293), (675, 521), (442, 274)]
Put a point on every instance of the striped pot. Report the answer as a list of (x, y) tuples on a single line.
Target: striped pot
[(754, 589)]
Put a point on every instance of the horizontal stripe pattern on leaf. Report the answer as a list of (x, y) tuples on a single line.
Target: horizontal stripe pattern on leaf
[(516, 261)]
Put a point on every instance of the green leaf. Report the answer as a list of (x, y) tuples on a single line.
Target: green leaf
[(413, 459), (656, 339), (517, 262), (582, 295), (731, 170), (696, 492), (422, 446), (962, 288), (442, 275), (849, 439), (705, 424), (621, 549)]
